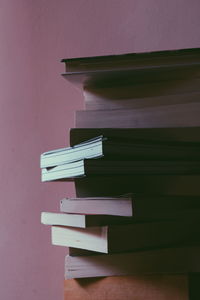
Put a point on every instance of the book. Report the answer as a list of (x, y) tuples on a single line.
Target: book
[(129, 237), (176, 115), (138, 96), (133, 60), (87, 149), (140, 207), (151, 287), (156, 136), (99, 167), (159, 261), (124, 145), (126, 77), (117, 206), (104, 186), (148, 213), (120, 146), (128, 69), (82, 221)]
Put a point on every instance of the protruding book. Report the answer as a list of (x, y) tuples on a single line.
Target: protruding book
[(88, 149), (130, 237), (139, 206), (99, 167)]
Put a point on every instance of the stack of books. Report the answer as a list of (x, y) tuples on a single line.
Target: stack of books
[(135, 159)]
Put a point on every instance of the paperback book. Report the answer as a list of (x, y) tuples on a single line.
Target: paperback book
[(130, 237), (159, 261)]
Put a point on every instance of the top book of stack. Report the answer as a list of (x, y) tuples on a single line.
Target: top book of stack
[(96, 71), (134, 60)]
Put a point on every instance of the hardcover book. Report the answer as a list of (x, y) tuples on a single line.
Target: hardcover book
[(175, 115)]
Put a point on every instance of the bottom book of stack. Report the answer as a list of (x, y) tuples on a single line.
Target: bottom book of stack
[(179, 260)]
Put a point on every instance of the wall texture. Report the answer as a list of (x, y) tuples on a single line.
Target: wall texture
[(37, 107)]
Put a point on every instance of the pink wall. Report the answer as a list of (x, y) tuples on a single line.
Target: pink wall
[(37, 106)]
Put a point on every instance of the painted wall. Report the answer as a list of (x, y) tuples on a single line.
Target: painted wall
[(37, 107)]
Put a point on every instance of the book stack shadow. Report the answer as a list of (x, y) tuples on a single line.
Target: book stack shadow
[(133, 229)]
